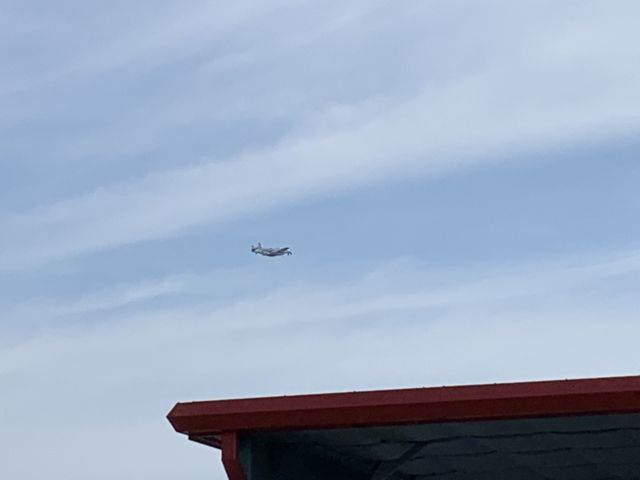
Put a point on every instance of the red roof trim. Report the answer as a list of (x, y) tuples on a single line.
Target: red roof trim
[(420, 405), (231, 457)]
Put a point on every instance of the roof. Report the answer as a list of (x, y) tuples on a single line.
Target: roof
[(551, 429)]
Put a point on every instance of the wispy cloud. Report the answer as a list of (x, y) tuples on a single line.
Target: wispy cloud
[(524, 98), (36, 314), (162, 36), (440, 131), (391, 293)]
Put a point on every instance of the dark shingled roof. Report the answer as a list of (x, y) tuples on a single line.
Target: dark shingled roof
[(556, 430)]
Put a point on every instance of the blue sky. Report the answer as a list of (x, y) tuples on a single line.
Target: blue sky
[(458, 181)]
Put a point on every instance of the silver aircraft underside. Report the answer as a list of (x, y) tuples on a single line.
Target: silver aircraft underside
[(270, 252)]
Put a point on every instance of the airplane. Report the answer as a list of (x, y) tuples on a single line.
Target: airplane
[(270, 252)]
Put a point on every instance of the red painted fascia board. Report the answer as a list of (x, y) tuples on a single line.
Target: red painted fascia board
[(417, 405)]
